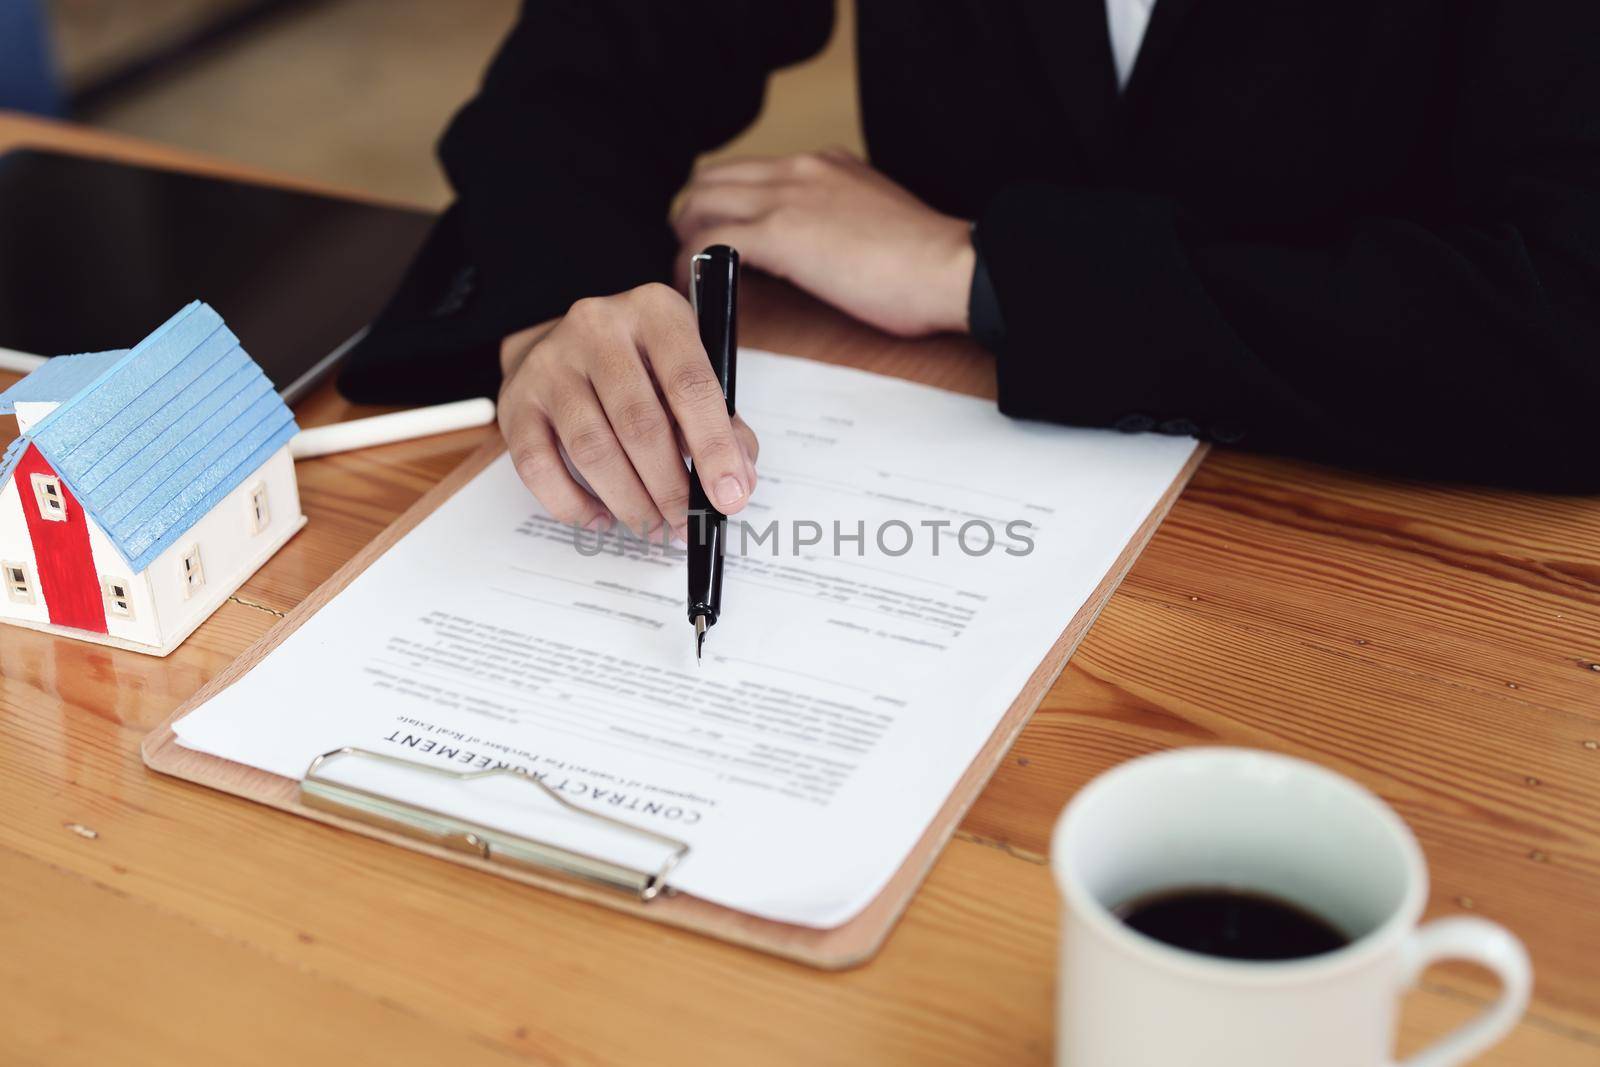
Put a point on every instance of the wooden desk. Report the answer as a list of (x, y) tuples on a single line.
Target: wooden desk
[(1440, 645)]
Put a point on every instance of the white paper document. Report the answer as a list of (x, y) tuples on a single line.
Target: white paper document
[(908, 558)]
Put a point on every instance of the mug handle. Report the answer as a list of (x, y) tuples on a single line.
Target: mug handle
[(1488, 945)]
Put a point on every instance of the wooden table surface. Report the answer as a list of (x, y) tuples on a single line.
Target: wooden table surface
[(1440, 645)]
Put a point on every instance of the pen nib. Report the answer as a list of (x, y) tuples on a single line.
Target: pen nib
[(699, 637)]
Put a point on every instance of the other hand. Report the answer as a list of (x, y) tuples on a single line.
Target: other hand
[(623, 387), (840, 230)]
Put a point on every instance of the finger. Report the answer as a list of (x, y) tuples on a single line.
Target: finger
[(704, 206), (741, 429), (747, 442), (536, 455), (746, 169), (671, 346), (747, 438), (640, 421), (590, 442)]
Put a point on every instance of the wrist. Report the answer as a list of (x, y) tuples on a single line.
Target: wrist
[(951, 286)]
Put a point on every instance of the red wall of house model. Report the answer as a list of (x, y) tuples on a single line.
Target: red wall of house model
[(61, 551)]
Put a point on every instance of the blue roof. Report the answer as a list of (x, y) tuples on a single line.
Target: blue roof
[(10, 458), (163, 432), (58, 379)]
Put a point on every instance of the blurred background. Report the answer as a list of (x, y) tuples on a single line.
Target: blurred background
[(353, 93)]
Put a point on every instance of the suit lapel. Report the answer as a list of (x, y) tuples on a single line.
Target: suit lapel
[(1076, 48), (1166, 21)]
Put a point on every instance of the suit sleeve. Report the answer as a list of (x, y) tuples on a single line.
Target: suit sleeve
[(564, 167), (1463, 346)]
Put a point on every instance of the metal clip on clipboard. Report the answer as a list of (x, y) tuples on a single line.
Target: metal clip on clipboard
[(497, 846)]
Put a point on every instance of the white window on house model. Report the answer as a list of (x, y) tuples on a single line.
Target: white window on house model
[(118, 600), (52, 502), (19, 587), (260, 511), (194, 576)]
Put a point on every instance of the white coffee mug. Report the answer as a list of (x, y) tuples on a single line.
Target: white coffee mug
[(1235, 818)]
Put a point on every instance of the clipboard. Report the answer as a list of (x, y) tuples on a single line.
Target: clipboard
[(387, 819)]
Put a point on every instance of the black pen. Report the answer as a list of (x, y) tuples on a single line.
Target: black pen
[(714, 291)]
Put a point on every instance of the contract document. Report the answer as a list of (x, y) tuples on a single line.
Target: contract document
[(907, 559)]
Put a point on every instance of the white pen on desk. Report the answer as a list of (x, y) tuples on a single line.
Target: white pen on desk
[(388, 429), (343, 436), (19, 362)]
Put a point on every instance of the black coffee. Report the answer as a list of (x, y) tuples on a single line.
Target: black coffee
[(1234, 924)]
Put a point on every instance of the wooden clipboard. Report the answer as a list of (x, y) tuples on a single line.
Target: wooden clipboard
[(844, 946)]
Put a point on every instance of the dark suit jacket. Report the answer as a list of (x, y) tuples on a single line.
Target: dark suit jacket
[(1366, 231)]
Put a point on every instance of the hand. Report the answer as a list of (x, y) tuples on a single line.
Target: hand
[(622, 386), (839, 230)]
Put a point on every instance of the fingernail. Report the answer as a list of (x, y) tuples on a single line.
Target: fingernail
[(680, 535), (729, 492), (599, 523)]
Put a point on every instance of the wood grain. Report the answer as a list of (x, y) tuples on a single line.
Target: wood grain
[(1375, 626)]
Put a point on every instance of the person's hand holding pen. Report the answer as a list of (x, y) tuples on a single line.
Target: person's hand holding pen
[(622, 385)]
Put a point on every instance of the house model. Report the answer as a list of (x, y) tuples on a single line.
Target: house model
[(145, 487)]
